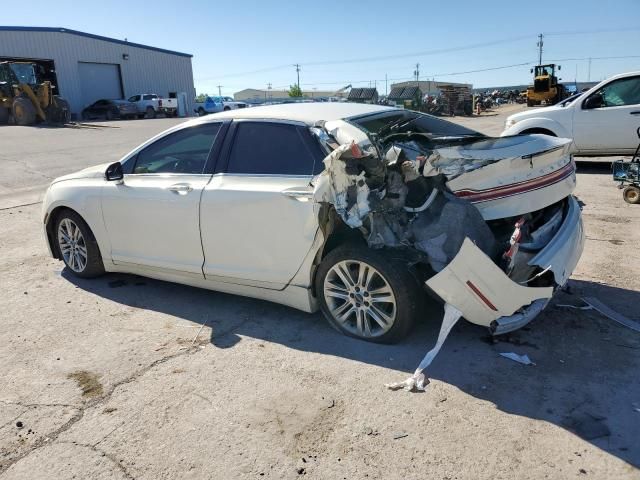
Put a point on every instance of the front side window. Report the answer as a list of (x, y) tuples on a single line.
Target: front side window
[(147, 97), (270, 149), (625, 91), (184, 151)]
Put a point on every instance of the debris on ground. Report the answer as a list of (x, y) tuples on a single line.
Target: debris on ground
[(400, 435), (612, 314), (523, 359), (418, 381)]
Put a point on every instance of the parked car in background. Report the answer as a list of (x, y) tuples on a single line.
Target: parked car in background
[(109, 109), (601, 121), (273, 203), (149, 105), (217, 104)]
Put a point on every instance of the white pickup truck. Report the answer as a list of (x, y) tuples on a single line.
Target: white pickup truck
[(217, 104), (150, 104), (601, 121)]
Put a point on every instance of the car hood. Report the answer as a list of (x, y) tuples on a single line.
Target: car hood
[(536, 113), (97, 171)]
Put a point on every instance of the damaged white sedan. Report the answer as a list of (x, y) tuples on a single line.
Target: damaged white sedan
[(358, 210)]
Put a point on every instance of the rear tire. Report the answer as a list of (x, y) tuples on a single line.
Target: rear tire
[(150, 112), (24, 113), (201, 112), (631, 194), (366, 294), (4, 116), (77, 246)]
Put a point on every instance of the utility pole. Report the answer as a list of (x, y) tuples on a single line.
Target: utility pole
[(539, 45), (589, 71), (416, 72), (219, 91), (386, 90), (297, 65)]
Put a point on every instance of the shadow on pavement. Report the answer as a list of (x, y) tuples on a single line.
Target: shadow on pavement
[(585, 380)]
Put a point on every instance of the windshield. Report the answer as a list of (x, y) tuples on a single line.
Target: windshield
[(397, 121), (24, 72)]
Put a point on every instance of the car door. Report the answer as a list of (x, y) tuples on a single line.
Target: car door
[(610, 127), (257, 215), (152, 216)]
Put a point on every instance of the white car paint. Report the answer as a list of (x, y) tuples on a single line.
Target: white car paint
[(608, 130), (228, 230)]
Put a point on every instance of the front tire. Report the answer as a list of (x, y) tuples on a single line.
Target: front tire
[(24, 113), (77, 246), (365, 294)]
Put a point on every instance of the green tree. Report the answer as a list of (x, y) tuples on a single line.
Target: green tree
[(295, 91), (202, 97)]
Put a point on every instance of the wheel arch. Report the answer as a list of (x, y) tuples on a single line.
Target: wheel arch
[(50, 224)]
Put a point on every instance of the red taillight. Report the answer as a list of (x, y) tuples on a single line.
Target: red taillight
[(477, 291)]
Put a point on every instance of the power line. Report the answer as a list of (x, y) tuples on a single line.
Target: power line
[(424, 52)]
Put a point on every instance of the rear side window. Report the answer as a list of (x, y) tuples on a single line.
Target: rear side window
[(269, 148), (185, 151), (135, 98)]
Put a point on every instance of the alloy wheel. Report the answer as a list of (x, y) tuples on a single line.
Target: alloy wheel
[(72, 245), (360, 298)]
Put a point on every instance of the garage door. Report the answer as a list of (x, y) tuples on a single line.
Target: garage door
[(99, 80)]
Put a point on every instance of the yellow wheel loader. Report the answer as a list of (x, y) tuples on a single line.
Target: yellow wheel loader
[(28, 100), (545, 86)]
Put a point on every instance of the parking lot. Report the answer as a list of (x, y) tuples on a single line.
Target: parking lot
[(127, 377)]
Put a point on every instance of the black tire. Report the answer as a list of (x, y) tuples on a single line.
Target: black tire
[(631, 194), (140, 116), (201, 112), (109, 115), (93, 266), (4, 116), (150, 112), (226, 109), (24, 113), (406, 292)]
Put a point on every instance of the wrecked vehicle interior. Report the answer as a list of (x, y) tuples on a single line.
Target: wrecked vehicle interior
[(489, 225)]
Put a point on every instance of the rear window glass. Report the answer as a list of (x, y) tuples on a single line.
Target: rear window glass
[(420, 123), (270, 148)]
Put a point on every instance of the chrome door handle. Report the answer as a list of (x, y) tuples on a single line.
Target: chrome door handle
[(180, 188), (297, 193)]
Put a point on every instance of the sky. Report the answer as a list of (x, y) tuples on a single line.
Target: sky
[(250, 44)]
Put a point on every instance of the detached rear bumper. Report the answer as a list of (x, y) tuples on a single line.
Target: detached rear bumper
[(486, 296)]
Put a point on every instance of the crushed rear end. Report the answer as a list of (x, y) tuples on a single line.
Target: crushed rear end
[(491, 222)]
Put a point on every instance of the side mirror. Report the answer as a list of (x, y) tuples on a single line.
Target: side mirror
[(531, 70), (559, 68), (114, 172), (594, 101)]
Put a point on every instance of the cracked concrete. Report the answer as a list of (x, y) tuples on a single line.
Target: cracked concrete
[(267, 391)]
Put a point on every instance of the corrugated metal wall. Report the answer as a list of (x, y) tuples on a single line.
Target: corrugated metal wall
[(145, 71)]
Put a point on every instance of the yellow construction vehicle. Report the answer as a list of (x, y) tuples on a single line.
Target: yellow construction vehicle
[(27, 99), (545, 86)]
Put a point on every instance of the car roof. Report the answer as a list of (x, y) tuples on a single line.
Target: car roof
[(308, 113)]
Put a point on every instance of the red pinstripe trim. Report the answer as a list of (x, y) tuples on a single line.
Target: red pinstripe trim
[(495, 193), (482, 297)]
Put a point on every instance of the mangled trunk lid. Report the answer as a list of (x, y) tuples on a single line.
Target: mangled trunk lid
[(512, 175)]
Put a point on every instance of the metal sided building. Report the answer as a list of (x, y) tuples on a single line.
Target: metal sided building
[(85, 67)]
